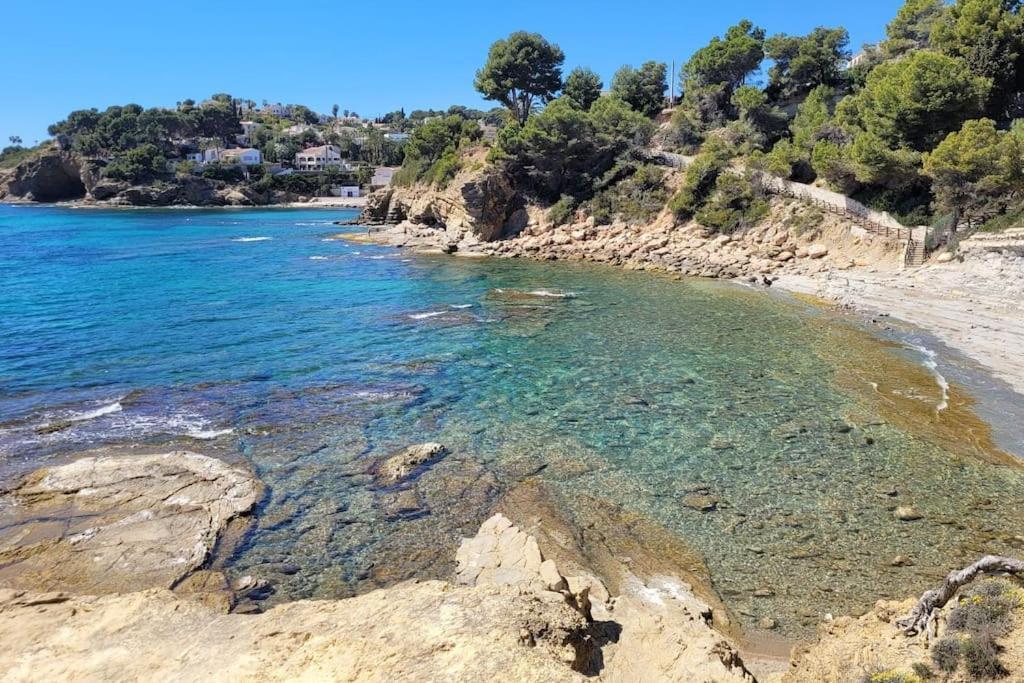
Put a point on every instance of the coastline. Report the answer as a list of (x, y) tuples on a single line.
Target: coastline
[(335, 203), (973, 305), (941, 299)]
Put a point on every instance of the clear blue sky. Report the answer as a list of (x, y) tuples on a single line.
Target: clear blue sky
[(370, 57)]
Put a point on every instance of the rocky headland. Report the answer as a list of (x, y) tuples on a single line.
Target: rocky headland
[(56, 175)]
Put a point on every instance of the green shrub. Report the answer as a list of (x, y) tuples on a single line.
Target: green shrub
[(980, 613), (803, 220), (443, 170), (981, 657), (137, 164), (946, 654), (732, 205), (892, 676), (561, 212), (922, 670), (636, 198), (231, 173), (698, 183), (13, 155)]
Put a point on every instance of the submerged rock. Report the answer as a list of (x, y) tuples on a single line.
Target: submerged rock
[(119, 523), (701, 502), (907, 513), (402, 464)]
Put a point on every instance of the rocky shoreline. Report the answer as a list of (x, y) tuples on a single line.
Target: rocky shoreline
[(107, 573), (971, 300), (69, 179)]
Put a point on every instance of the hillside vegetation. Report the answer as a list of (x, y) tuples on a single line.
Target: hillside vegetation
[(928, 124)]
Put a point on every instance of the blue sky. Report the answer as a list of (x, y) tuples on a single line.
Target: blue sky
[(369, 57)]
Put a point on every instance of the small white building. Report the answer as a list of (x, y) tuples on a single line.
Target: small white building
[(298, 129), (212, 154), (396, 136), (345, 191), (247, 156), (197, 157), (319, 158)]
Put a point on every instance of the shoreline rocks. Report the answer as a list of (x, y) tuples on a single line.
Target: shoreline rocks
[(104, 524)]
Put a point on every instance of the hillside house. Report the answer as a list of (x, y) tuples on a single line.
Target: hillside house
[(246, 156), (320, 158)]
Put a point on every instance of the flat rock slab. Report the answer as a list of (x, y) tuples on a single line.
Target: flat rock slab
[(118, 523)]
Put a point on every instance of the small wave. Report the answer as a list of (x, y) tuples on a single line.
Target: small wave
[(98, 412), (460, 306), (544, 293), (317, 258), (424, 316), (208, 433), (251, 239), (931, 362)]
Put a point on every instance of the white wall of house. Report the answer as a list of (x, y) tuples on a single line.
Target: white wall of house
[(346, 191), (246, 157), (319, 158)]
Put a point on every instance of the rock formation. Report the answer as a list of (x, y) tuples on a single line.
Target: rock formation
[(118, 523), (475, 207), (56, 175), (430, 219)]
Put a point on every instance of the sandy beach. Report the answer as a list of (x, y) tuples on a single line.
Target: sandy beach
[(974, 306)]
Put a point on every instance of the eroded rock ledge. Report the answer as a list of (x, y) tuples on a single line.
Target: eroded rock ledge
[(118, 523)]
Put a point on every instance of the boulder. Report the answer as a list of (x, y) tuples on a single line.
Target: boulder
[(403, 464), (907, 513), (118, 523), (817, 251)]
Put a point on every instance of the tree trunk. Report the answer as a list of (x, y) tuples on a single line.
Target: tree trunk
[(920, 618)]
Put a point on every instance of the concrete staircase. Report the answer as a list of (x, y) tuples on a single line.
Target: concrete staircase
[(915, 254)]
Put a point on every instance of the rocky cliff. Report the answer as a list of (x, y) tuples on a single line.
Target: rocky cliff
[(477, 206)]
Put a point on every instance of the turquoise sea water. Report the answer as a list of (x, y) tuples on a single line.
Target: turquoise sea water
[(249, 334)]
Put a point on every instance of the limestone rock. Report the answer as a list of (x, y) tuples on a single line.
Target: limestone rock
[(118, 523), (500, 555), (817, 250), (428, 631)]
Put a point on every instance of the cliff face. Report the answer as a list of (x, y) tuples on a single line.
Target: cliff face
[(57, 176), (51, 177), (476, 206)]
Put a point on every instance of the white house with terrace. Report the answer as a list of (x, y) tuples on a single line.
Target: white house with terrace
[(320, 158)]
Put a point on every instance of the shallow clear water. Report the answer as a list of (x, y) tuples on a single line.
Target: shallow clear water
[(313, 358)]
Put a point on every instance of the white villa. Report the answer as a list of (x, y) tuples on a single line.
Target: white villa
[(396, 136), (247, 156), (298, 129), (319, 158)]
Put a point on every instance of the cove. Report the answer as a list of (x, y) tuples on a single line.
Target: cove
[(773, 439)]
